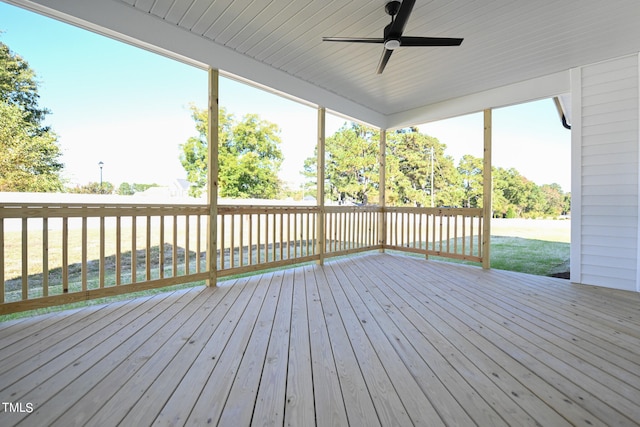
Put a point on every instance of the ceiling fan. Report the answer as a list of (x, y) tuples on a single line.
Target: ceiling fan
[(393, 37)]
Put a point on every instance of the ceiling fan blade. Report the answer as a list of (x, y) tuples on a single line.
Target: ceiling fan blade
[(386, 54), (400, 20), (353, 40), (430, 41)]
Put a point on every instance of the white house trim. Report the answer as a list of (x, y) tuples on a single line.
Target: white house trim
[(517, 93), (576, 175)]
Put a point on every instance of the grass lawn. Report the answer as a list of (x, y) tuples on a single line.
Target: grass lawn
[(531, 246), (533, 256)]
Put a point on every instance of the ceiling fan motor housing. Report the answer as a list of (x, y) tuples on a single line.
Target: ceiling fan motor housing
[(392, 7)]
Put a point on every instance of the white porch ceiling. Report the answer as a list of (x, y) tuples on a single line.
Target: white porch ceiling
[(524, 47)]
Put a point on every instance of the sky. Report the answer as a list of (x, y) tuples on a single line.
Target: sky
[(128, 108)]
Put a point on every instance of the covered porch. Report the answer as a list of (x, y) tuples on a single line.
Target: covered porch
[(377, 339)]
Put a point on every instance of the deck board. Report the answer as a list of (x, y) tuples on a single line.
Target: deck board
[(376, 339)]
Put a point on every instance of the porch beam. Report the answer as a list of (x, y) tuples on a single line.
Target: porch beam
[(382, 218), (320, 186), (486, 192), (212, 177)]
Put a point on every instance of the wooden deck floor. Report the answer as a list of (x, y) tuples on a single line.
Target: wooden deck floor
[(372, 340)]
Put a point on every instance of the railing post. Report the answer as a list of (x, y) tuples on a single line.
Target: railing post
[(212, 177), (487, 212), (320, 187), (382, 217)]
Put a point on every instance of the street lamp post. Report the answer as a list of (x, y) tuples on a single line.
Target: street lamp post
[(432, 195), (101, 163), (431, 159)]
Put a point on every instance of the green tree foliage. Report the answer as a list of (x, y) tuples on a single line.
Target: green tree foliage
[(409, 164), (93, 188), (554, 199), (470, 169), (352, 174), (29, 152), (351, 165), (249, 156)]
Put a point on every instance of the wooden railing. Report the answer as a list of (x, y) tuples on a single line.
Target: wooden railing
[(447, 232), (253, 238), (351, 229), (52, 254)]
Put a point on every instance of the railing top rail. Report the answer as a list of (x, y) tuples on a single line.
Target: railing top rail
[(365, 208), (90, 205), (32, 209), (228, 208), (53, 210), (440, 211)]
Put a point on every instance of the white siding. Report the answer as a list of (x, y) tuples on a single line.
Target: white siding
[(608, 164)]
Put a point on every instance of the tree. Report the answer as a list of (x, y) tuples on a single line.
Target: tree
[(554, 199), (409, 171), (351, 165), (94, 188), (18, 85), (28, 157), (470, 170), (29, 152), (249, 156), (125, 189)]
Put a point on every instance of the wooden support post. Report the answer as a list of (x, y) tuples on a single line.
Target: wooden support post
[(382, 217), (487, 211), (320, 187), (212, 178)]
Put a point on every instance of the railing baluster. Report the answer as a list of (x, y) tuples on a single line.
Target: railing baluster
[(2, 290), (222, 221), (134, 249), (65, 255), (84, 253), (148, 249), (25, 259), (310, 218), (187, 255), (266, 237), (119, 250), (241, 248), (480, 248), (448, 217), (258, 236), (273, 235), (102, 253), (464, 235), (455, 234), (295, 235), (174, 264), (198, 242), (161, 254), (250, 245), (281, 215), (45, 256), (232, 242), (471, 237)]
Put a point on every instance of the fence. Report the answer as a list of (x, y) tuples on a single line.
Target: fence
[(55, 253)]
